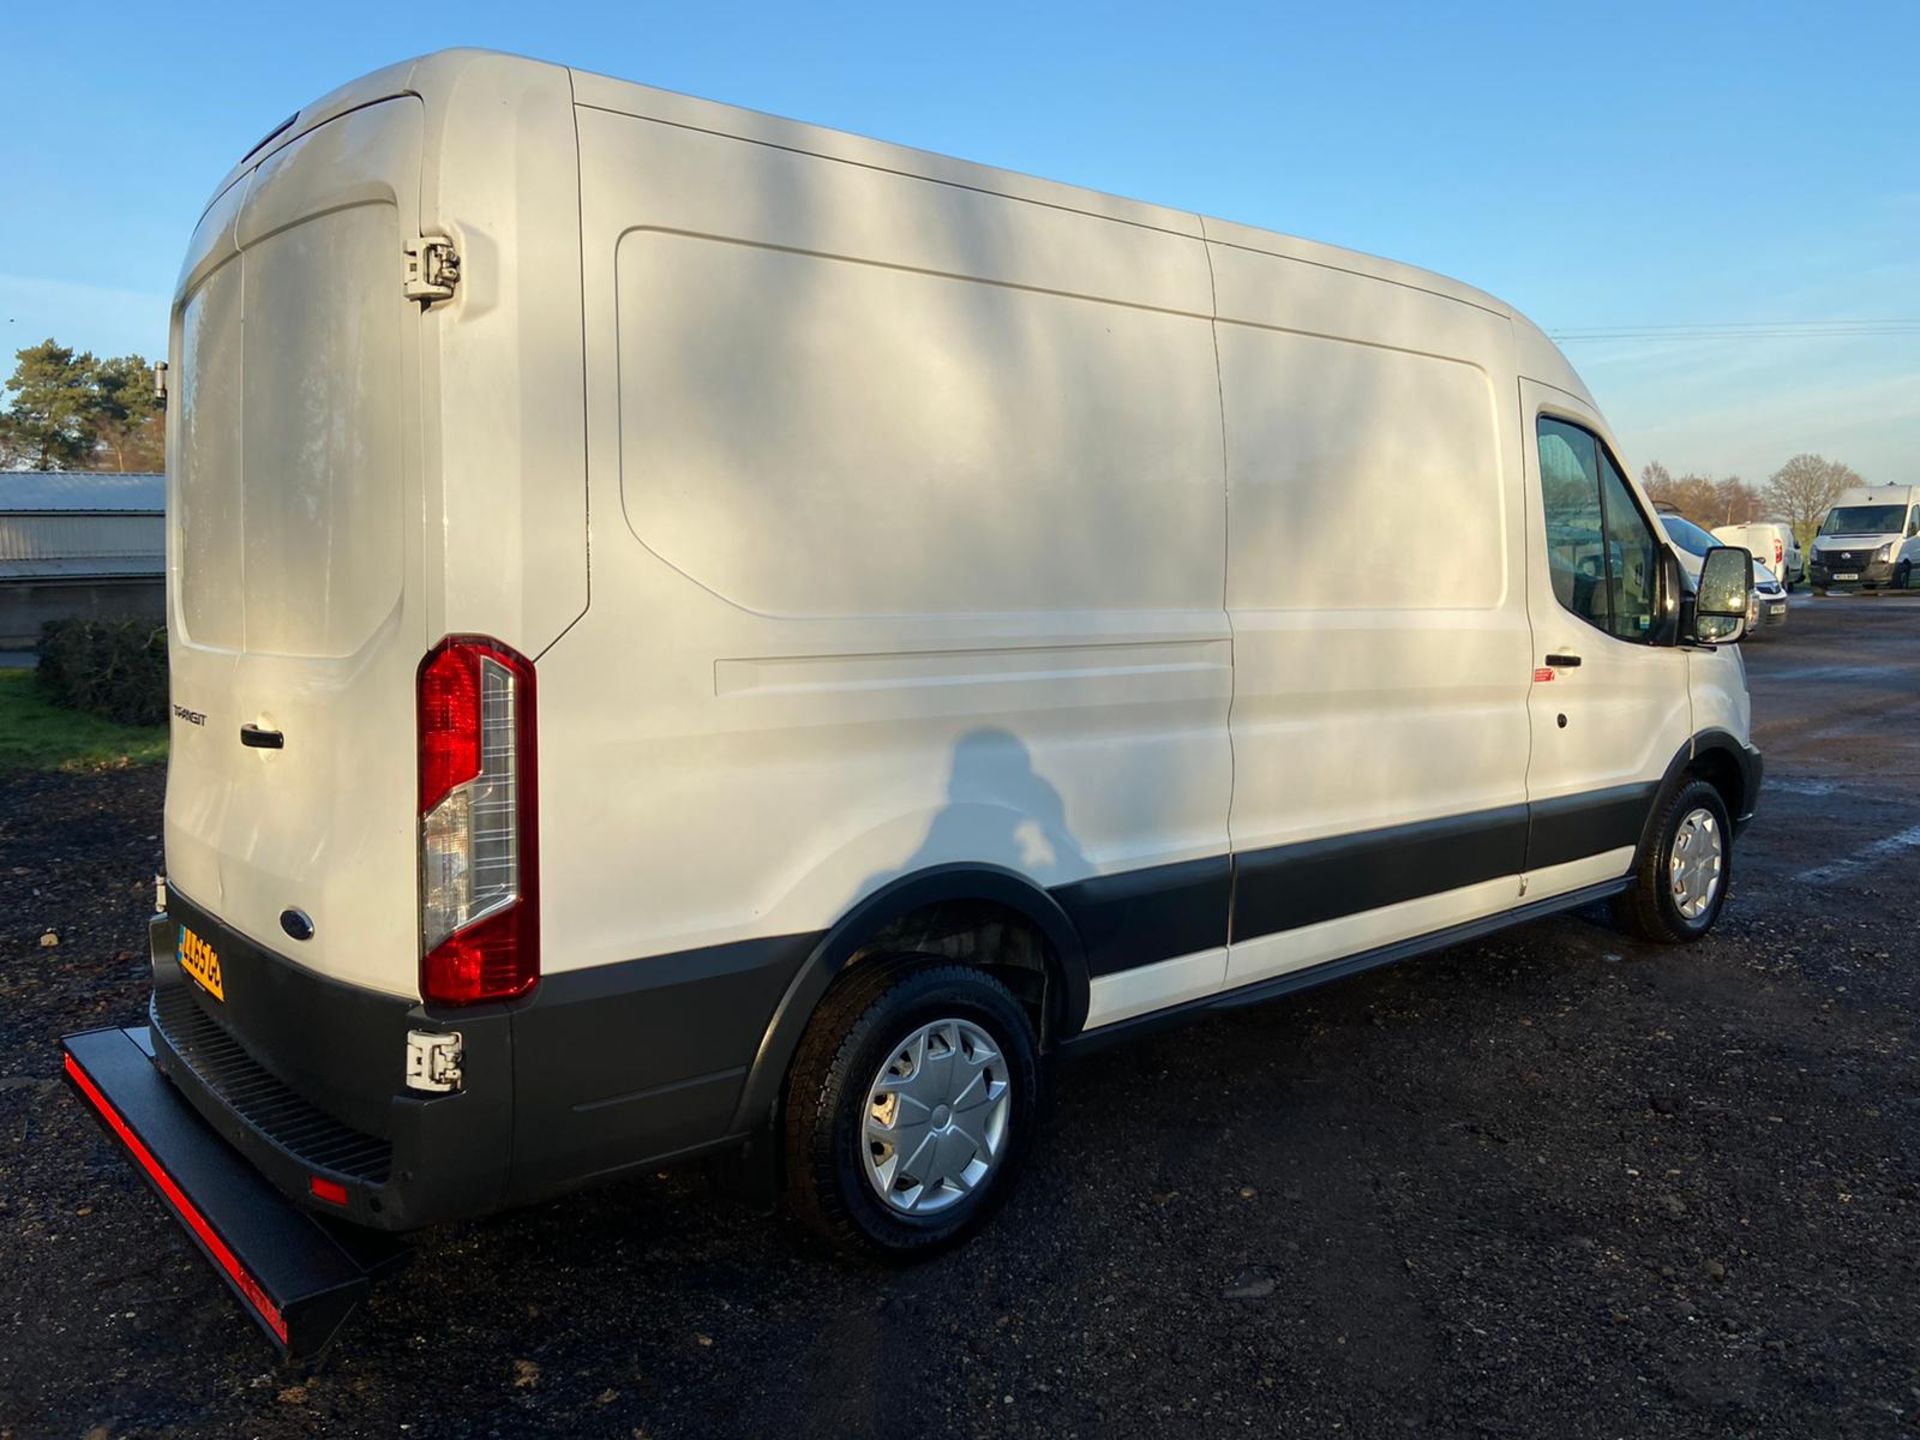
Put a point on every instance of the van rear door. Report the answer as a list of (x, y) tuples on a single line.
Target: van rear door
[(295, 537)]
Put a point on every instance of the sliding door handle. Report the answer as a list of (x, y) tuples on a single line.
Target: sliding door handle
[(1564, 662)]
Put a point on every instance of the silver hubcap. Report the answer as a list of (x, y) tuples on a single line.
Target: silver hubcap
[(1694, 864), (936, 1117)]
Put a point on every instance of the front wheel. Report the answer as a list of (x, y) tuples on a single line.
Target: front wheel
[(1903, 577), (911, 1102), (1680, 883)]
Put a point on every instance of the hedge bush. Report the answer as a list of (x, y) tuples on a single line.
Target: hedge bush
[(116, 669)]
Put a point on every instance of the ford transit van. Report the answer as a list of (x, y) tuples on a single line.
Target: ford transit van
[(697, 635)]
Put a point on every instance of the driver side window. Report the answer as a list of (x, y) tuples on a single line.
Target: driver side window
[(1602, 553)]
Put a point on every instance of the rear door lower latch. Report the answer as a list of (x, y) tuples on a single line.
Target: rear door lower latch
[(433, 269)]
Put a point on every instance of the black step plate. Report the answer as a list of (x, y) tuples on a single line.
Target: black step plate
[(298, 1275)]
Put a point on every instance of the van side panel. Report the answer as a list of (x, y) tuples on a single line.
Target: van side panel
[(810, 435), (1717, 689), (908, 549), (503, 373), (827, 730), (1380, 631)]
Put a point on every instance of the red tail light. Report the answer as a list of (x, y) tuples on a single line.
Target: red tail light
[(479, 906), (449, 721)]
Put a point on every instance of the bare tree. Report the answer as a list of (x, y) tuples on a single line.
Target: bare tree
[(1694, 496), (1736, 502), (1802, 490), (1702, 499)]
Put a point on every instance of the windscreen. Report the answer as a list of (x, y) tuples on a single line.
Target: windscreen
[(1864, 520), (1687, 535)]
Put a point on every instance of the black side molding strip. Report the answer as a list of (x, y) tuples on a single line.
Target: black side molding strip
[(1573, 827), (1262, 991), (1139, 917), (1287, 886)]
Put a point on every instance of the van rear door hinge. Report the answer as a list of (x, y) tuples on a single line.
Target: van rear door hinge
[(433, 269), (434, 1061)]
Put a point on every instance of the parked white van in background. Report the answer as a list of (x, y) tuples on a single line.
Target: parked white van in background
[(1773, 543), (1870, 538), (696, 634)]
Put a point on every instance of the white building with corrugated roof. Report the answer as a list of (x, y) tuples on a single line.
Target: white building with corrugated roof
[(78, 543)]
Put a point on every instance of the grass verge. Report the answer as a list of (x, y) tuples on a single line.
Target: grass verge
[(35, 735)]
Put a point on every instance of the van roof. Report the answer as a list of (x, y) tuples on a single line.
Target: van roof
[(436, 74), (628, 98), (1886, 494)]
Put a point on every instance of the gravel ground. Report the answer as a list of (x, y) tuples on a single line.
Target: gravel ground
[(1552, 1183)]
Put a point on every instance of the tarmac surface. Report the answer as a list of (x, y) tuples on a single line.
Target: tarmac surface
[(1554, 1182)]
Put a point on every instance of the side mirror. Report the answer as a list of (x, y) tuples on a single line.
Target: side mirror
[(1721, 598)]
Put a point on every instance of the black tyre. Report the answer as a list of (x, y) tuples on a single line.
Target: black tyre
[(1903, 577), (910, 1106), (1680, 882)]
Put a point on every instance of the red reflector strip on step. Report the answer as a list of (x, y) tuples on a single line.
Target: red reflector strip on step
[(216, 1247), (331, 1191)]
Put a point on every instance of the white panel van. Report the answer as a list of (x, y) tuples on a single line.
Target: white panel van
[(698, 635), (1869, 539), (1772, 543)]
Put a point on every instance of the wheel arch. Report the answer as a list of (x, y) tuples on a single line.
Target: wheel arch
[(1723, 761), (891, 910)]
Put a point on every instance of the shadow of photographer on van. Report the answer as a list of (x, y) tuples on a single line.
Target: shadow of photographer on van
[(1000, 811)]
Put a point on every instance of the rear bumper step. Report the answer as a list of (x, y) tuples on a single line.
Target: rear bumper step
[(299, 1275)]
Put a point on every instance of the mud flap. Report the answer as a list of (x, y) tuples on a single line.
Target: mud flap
[(299, 1275)]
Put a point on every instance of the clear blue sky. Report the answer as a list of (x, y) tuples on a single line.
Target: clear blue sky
[(1655, 165)]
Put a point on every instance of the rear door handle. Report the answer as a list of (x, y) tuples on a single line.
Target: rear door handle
[(256, 738), (1564, 662)]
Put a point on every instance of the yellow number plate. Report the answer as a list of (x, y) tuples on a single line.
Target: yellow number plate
[(200, 960)]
